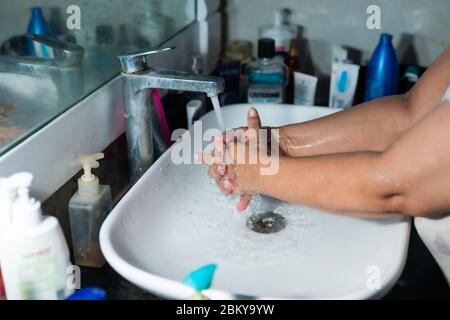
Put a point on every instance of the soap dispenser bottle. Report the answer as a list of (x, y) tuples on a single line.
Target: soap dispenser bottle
[(7, 197), (88, 209), (382, 70), (267, 77), (38, 25), (34, 253)]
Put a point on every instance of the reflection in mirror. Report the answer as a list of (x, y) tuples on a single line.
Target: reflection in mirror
[(41, 77)]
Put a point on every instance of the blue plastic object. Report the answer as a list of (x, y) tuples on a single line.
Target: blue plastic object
[(38, 25), (201, 278), (382, 71), (88, 294)]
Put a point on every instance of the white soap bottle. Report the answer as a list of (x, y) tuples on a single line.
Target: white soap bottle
[(7, 197), (88, 209), (35, 256), (280, 31)]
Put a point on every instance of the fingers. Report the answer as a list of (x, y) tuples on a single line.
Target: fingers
[(217, 170), (243, 203), (226, 185), (253, 119)]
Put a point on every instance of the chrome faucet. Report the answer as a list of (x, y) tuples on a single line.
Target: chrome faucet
[(63, 68), (139, 78), (63, 55)]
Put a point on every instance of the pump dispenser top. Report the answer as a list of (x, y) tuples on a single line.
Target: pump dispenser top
[(26, 211), (88, 183)]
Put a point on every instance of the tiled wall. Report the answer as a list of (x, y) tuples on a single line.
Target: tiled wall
[(423, 23)]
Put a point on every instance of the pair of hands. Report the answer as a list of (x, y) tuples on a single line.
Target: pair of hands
[(232, 162)]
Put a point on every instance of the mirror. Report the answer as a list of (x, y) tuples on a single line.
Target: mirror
[(40, 78)]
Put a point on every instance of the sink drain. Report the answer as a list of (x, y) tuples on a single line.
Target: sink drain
[(266, 222)]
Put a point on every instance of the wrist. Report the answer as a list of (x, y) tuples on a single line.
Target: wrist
[(280, 134), (267, 173)]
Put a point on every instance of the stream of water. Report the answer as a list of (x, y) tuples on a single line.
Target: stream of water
[(218, 111)]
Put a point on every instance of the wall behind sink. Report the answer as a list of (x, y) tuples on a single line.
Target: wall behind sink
[(423, 23)]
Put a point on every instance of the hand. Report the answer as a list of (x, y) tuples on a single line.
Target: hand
[(236, 160)]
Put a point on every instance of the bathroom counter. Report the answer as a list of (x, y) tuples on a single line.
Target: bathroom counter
[(421, 279)]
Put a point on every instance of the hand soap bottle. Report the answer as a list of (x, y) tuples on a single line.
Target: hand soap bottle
[(35, 256), (88, 209)]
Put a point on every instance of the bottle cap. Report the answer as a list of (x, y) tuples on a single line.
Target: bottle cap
[(88, 184), (266, 48), (385, 37)]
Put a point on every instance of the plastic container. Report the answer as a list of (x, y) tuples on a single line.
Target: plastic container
[(88, 294), (38, 25), (280, 31), (88, 209), (7, 197), (35, 256), (382, 71), (267, 76), (304, 89), (344, 78)]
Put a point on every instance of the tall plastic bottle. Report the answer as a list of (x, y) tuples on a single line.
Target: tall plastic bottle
[(267, 77), (382, 70), (34, 253), (38, 25)]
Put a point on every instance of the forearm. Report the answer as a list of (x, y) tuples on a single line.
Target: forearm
[(372, 126), (347, 184)]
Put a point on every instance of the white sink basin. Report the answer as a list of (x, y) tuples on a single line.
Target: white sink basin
[(175, 220)]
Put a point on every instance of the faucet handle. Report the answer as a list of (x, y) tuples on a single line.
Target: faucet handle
[(137, 60), (65, 54)]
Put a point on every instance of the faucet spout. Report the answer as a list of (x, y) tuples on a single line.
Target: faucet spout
[(138, 79), (177, 80)]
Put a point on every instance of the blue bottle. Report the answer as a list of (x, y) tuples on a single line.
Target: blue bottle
[(382, 71), (38, 25)]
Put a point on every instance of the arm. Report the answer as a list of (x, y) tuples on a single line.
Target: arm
[(412, 176), (372, 126)]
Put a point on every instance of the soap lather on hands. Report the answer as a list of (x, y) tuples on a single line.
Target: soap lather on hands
[(232, 174)]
